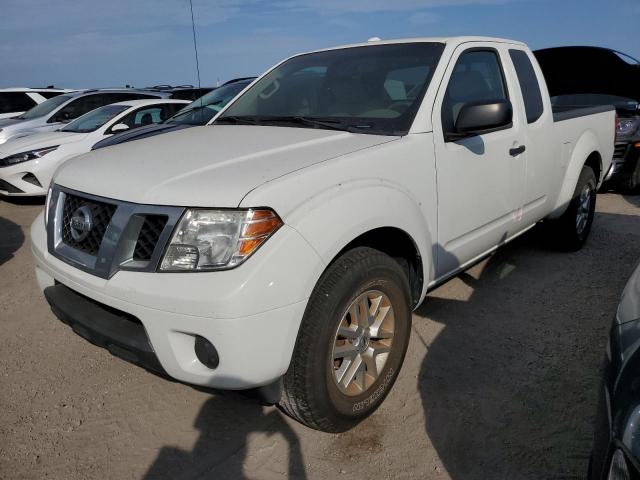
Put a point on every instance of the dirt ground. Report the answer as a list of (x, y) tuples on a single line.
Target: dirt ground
[(499, 382)]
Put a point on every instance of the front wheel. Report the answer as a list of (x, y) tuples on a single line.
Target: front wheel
[(351, 343), (570, 231)]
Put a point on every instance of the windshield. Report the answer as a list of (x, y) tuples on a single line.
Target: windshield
[(594, 99), (372, 89), (45, 108), (205, 108), (93, 120)]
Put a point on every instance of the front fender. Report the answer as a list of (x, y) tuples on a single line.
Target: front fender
[(333, 218)]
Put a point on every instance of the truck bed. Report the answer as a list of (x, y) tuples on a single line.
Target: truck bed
[(566, 112)]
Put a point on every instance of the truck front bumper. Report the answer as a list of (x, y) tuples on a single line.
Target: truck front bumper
[(250, 314)]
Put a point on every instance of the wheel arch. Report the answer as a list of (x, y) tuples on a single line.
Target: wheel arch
[(585, 152), (399, 245), (376, 215)]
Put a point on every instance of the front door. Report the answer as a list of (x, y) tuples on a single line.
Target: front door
[(480, 178)]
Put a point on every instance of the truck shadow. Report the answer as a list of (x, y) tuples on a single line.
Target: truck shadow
[(11, 239), (509, 385), (633, 199), (225, 422)]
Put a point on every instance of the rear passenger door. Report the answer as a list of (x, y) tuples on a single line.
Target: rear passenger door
[(480, 180), (542, 168)]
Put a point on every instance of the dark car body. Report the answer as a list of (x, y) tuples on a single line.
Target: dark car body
[(192, 115), (617, 430), (600, 76), (182, 92)]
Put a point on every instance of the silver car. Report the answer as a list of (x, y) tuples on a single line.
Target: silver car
[(52, 113)]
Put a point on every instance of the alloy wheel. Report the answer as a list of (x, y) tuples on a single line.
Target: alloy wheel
[(362, 342)]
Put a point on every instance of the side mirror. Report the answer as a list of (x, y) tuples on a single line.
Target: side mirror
[(119, 127), (476, 118)]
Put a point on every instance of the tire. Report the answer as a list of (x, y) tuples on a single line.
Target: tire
[(316, 388), (571, 230)]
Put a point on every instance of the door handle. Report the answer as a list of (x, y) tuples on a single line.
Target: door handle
[(514, 152)]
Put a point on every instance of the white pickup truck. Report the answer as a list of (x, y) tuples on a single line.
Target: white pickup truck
[(285, 246)]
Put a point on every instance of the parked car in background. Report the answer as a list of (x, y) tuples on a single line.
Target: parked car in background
[(197, 113), (54, 112), (182, 92), (284, 246), (600, 76), (616, 447), (15, 101), (27, 163)]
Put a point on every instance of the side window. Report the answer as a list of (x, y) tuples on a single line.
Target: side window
[(529, 86), (477, 77), (87, 103), (144, 116), (79, 107), (15, 102)]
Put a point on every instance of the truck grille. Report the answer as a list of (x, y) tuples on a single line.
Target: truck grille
[(148, 237), (101, 212), (620, 149), (103, 236)]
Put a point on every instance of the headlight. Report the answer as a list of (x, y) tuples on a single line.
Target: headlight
[(217, 239), (627, 126), (26, 156)]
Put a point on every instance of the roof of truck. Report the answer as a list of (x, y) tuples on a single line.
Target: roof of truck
[(451, 40)]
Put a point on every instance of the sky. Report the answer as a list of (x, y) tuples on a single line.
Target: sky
[(89, 43)]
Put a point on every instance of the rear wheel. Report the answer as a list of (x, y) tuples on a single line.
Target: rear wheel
[(351, 343), (570, 231)]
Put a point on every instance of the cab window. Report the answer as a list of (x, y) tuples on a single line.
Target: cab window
[(528, 84), (477, 77)]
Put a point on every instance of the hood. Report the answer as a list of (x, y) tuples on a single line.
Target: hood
[(210, 166), (39, 140), (574, 70), (5, 122), (13, 127), (138, 133)]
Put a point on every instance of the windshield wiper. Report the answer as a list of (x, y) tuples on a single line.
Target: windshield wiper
[(239, 119), (326, 123)]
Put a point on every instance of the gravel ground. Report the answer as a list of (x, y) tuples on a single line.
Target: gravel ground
[(499, 382)]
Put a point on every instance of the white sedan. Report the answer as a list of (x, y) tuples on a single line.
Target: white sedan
[(27, 164)]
